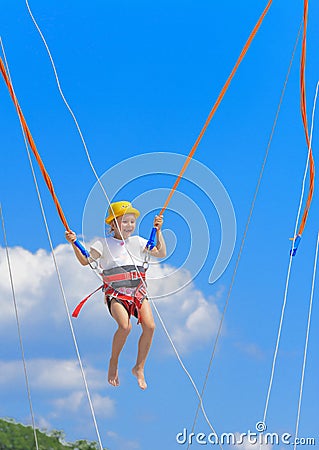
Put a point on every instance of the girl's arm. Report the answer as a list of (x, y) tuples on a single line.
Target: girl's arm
[(71, 237), (159, 251)]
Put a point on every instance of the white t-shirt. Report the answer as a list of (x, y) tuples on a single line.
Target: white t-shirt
[(114, 253)]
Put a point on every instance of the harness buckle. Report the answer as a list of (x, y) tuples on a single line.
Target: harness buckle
[(135, 275)]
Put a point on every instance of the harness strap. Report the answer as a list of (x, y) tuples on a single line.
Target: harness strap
[(140, 293), (133, 275), (77, 310), (134, 303)]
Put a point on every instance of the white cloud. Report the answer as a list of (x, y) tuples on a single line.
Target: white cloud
[(53, 371), (60, 383), (191, 318), (63, 374), (104, 406), (50, 375), (36, 286), (71, 402), (43, 424)]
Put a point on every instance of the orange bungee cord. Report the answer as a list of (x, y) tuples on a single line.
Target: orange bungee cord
[(31, 142), (151, 241), (297, 238)]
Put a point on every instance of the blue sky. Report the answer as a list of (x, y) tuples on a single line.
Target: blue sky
[(142, 78)]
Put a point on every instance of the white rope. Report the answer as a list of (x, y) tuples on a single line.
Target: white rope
[(64, 99), (307, 334), (289, 266), (185, 370), (109, 203), (306, 343), (73, 117), (57, 271), (19, 329)]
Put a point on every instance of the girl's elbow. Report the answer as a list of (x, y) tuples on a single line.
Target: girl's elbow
[(162, 254)]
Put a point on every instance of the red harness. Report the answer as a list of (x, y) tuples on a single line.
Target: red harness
[(129, 275)]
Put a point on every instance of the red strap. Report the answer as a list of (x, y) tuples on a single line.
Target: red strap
[(113, 293), (77, 310), (136, 300), (133, 275)]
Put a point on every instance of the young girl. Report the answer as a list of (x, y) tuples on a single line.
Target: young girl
[(124, 286)]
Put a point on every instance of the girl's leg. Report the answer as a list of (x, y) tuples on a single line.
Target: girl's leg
[(144, 344), (119, 313)]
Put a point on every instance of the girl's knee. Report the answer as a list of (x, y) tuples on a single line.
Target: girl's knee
[(125, 328), (149, 327)]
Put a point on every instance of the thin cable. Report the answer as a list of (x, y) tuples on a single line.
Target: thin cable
[(72, 113), (58, 272), (306, 343), (109, 203), (186, 371), (243, 240), (65, 101), (19, 329), (289, 267)]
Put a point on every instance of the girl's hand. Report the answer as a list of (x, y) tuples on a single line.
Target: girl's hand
[(158, 222), (70, 236)]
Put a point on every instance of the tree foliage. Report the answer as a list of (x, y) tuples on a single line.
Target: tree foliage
[(16, 436)]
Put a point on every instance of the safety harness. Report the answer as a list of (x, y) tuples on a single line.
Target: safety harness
[(122, 277)]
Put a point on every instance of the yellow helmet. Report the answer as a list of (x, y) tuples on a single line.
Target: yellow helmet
[(118, 209)]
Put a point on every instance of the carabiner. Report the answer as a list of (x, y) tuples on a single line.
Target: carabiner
[(146, 260)]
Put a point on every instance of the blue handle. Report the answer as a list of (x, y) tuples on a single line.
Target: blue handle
[(151, 242), (83, 250), (293, 251)]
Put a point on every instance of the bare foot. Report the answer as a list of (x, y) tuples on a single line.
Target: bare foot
[(113, 377), (139, 374)]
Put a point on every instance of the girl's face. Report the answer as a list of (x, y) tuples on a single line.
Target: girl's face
[(126, 224)]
